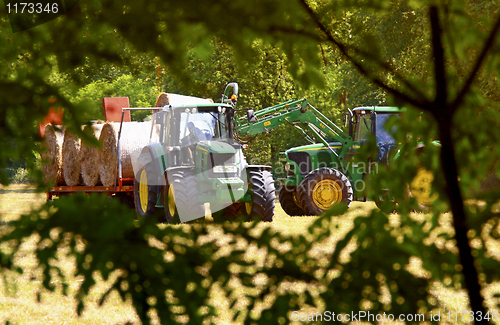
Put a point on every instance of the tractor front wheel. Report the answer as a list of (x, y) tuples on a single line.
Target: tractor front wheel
[(261, 187), (181, 197), (289, 201), (323, 188)]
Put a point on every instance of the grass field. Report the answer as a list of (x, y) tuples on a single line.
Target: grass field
[(18, 293)]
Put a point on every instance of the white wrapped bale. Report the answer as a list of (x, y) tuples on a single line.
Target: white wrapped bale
[(165, 99), (134, 137)]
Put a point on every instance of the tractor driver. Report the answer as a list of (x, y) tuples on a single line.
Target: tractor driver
[(385, 142), (198, 131)]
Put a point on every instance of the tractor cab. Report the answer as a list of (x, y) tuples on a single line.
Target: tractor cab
[(371, 120), (184, 129)]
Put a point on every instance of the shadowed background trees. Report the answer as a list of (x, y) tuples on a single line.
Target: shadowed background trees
[(435, 59)]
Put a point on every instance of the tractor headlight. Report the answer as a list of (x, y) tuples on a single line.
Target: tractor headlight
[(225, 169)]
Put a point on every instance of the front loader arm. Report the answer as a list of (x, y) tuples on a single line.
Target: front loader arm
[(295, 112)]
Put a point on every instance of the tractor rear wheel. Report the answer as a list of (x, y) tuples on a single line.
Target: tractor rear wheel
[(146, 191), (261, 187), (420, 188), (181, 197), (289, 201), (323, 188)]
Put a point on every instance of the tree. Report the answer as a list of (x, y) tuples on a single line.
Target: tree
[(430, 72)]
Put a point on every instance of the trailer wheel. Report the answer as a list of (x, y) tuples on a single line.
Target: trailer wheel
[(261, 187), (289, 201), (146, 191), (181, 197), (323, 188)]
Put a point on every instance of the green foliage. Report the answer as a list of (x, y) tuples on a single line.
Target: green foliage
[(140, 93), (19, 175), (151, 260), (429, 56)]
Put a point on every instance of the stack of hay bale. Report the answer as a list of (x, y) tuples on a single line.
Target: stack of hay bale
[(68, 161), (52, 155)]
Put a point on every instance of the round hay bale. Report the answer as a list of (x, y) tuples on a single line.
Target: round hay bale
[(162, 100), (71, 158), (134, 137), (90, 157), (165, 99), (52, 155)]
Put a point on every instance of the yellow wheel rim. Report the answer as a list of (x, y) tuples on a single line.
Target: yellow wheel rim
[(248, 208), (143, 190), (421, 187), (327, 193), (171, 200), (295, 198)]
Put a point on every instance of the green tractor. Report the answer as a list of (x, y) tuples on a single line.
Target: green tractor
[(193, 159), (323, 174)]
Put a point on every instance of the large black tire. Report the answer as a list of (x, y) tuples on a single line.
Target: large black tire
[(323, 188), (263, 194), (181, 197), (146, 191), (288, 197), (126, 198)]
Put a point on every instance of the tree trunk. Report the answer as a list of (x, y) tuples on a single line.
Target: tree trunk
[(450, 170)]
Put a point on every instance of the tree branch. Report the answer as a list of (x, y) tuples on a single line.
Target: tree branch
[(487, 46), (343, 49), (438, 55)]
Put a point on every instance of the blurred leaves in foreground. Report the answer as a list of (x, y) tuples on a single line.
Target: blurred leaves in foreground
[(385, 263), (437, 57)]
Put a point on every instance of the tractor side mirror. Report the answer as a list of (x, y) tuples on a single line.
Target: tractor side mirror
[(230, 93), (251, 116)]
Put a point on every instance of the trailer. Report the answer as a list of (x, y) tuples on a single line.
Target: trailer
[(115, 110)]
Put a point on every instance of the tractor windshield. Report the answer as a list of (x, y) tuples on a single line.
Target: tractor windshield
[(201, 126), (383, 136), (364, 127)]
